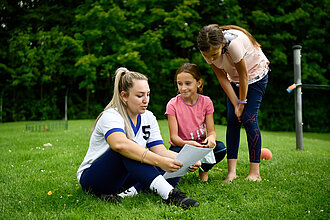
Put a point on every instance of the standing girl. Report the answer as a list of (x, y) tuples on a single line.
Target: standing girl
[(241, 68), (188, 113), (126, 149)]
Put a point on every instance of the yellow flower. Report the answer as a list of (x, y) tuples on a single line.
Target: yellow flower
[(50, 193), (69, 195)]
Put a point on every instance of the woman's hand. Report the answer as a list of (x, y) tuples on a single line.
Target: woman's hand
[(239, 112), (170, 165)]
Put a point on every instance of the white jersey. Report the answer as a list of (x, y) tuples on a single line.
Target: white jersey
[(147, 134)]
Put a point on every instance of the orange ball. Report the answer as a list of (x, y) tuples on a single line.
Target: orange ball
[(266, 154)]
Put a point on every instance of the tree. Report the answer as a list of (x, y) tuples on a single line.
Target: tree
[(51, 48)]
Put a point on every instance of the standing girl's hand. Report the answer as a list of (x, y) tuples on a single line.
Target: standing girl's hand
[(239, 112)]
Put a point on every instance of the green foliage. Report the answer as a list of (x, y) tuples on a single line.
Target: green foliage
[(57, 48), (39, 182), (41, 64)]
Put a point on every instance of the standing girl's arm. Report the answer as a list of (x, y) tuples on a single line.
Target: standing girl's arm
[(243, 86), (211, 134), (175, 139)]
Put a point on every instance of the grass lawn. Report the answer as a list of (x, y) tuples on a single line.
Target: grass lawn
[(39, 182)]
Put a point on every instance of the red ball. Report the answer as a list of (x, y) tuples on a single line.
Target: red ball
[(266, 154)]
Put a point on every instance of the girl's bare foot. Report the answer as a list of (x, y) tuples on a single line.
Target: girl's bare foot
[(254, 174), (232, 163), (253, 178), (203, 176), (230, 177)]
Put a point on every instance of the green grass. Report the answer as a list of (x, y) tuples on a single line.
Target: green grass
[(295, 184)]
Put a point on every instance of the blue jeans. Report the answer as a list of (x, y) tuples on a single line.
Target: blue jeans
[(112, 173), (249, 119), (219, 153)]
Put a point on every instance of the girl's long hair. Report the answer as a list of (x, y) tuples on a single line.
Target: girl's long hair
[(124, 80), (212, 36), (193, 70)]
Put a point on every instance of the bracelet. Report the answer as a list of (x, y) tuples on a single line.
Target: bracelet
[(144, 155), (242, 102)]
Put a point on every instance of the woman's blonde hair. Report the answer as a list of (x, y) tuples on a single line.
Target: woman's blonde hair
[(124, 80), (212, 36)]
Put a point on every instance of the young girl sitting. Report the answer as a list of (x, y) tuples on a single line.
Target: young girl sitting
[(190, 117)]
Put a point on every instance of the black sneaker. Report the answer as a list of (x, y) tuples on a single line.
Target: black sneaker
[(110, 198), (179, 198)]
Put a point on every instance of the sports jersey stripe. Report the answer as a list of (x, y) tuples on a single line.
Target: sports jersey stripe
[(113, 130), (154, 143), (138, 124)]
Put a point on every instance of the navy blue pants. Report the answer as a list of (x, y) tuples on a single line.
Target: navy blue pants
[(112, 173), (249, 120), (219, 153)]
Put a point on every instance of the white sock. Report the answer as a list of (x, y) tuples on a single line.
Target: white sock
[(161, 186), (128, 192)]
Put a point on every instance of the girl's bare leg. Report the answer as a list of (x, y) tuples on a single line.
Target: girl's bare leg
[(232, 163), (204, 176), (254, 174)]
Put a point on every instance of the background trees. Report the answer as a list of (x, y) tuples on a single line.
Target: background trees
[(52, 48)]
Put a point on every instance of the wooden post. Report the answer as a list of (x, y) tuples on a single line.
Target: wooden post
[(1, 101), (298, 96), (66, 109)]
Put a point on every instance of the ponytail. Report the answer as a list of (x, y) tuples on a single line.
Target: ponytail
[(212, 36), (123, 82), (252, 39)]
